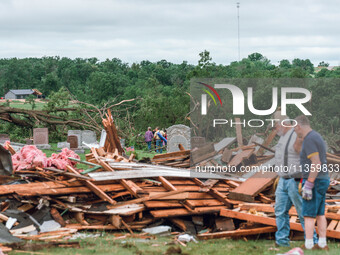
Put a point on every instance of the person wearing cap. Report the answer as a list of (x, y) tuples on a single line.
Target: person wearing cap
[(287, 165), (315, 182)]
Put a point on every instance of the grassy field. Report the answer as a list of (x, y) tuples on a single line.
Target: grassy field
[(106, 244), (22, 105)]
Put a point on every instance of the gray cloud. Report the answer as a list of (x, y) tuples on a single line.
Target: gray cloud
[(172, 30)]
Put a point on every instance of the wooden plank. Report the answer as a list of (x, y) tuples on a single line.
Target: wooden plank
[(239, 157), (101, 152), (253, 186), (182, 195), (184, 212), (270, 221), (267, 142), (270, 209), (226, 156), (166, 183), (163, 204), (102, 227), (293, 219), (208, 184), (214, 193), (66, 191), (239, 132), (202, 153), (256, 218), (160, 195), (169, 159), (203, 203), (129, 185), (94, 188), (332, 225), (237, 233), (171, 154), (224, 224), (179, 223), (338, 228), (132, 187), (220, 197)]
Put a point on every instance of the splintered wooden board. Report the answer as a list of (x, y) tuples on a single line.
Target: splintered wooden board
[(166, 156), (252, 186), (272, 222), (239, 157), (237, 233)]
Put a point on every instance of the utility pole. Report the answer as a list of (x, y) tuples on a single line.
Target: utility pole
[(238, 29)]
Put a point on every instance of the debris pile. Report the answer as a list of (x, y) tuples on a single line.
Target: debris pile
[(48, 201)]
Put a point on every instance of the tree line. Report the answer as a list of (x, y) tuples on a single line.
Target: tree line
[(162, 87)]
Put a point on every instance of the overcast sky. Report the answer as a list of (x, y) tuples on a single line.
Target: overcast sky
[(174, 30)]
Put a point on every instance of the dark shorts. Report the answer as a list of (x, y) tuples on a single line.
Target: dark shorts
[(316, 206)]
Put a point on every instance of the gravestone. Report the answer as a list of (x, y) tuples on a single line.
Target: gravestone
[(4, 138), (178, 134), (63, 145), (40, 136), (77, 133), (88, 136), (73, 141)]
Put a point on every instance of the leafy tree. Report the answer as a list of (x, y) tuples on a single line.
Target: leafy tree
[(306, 65), (284, 63), (255, 57), (31, 100), (59, 99), (324, 64)]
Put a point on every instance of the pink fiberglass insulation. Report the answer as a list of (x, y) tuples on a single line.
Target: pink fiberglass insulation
[(61, 160), (30, 157)]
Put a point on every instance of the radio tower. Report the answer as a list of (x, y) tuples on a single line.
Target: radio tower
[(238, 29)]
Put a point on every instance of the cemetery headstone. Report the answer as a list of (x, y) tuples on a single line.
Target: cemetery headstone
[(73, 141), (178, 134), (77, 133), (88, 136), (40, 136)]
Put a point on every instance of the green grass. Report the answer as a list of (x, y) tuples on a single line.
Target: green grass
[(22, 105), (162, 245)]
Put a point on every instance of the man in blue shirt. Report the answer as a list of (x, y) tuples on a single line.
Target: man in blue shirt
[(316, 181)]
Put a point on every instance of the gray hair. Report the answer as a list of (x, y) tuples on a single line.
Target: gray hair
[(302, 120)]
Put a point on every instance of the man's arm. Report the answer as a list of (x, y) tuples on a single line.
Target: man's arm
[(315, 167), (298, 145)]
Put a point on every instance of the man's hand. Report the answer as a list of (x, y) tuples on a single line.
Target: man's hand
[(307, 192)]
